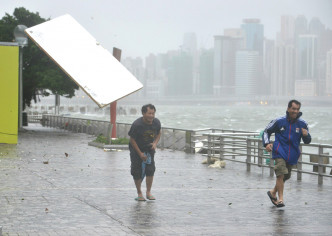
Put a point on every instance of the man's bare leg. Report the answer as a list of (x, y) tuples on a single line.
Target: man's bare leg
[(149, 181), (278, 188), (138, 184)]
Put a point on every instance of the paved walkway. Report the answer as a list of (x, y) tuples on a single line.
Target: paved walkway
[(90, 192)]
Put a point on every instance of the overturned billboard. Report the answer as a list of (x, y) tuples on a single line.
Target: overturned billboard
[(103, 78)]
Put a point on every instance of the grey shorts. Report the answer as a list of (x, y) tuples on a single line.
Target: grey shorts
[(282, 168)]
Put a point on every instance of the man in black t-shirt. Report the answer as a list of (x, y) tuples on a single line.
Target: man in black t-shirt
[(144, 136)]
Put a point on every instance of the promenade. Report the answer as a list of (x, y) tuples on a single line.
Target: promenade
[(53, 183)]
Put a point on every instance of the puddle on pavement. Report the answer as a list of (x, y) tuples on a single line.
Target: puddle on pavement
[(8, 150)]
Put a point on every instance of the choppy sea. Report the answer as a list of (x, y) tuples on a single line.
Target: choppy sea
[(238, 117)]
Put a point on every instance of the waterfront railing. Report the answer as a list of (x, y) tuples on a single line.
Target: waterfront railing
[(224, 144)]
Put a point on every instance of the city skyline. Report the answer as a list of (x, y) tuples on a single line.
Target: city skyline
[(143, 27)]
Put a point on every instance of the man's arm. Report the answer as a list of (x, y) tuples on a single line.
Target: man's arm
[(137, 149), (155, 142), (270, 128), (306, 137)]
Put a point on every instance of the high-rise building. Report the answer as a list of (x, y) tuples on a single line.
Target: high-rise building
[(206, 72), (268, 64), (287, 32), (225, 49), (283, 71), (179, 74), (301, 27), (135, 66), (329, 73), (254, 35), (254, 41), (307, 57), (189, 46), (246, 83)]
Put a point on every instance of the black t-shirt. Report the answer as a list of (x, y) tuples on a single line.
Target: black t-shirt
[(144, 134)]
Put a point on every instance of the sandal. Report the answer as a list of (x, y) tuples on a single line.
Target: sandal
[(273, 199), (140, 199), (280, 204), (150, 197)]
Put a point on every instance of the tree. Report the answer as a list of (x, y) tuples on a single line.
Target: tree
[(40, 74)]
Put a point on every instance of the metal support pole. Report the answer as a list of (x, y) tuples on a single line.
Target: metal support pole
[(21, 89), (209, 150), (320, 163), (117, 55), (248, 155), (299, 166)]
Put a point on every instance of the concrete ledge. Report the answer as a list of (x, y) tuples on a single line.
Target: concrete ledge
[(109, 146)]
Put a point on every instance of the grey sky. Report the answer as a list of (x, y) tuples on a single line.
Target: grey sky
[(140, 27)]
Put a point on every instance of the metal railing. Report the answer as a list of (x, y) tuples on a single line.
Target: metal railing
[(247, 148), (224, 144)]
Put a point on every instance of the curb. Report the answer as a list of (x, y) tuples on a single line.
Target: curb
[(109, 146)]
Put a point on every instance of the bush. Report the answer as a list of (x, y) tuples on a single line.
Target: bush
[(120, 141), (102, 139)]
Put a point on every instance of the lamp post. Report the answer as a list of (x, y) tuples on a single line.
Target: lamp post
[(22, 40)]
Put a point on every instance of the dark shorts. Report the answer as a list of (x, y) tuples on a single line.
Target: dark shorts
[(136, 166), (281, 167)]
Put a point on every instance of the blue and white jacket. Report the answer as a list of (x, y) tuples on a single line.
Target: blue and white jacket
[(288, 136)]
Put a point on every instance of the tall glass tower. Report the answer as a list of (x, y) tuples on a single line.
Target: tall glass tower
[(254, 35)]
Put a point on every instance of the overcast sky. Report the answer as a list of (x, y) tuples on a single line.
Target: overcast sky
[(140, 27)]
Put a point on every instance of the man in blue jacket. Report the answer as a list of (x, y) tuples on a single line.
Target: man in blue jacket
[(289, 130)]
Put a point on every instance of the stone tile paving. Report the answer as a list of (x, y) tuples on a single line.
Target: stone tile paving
[(53, 183)]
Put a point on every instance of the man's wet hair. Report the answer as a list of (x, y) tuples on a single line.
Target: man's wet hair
[(295, 101), (145, 108)]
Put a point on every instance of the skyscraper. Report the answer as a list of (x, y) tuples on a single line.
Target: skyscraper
[(225, 49), (287, 32), (254, 35), (246, 83), (283, 72), (329, 73), (307, 57), (254, 41)]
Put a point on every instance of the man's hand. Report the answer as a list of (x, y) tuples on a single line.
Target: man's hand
[(153, 146), (304, 132), (143, 157), (269, 147)]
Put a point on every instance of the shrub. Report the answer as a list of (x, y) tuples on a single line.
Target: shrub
[(102, 139)]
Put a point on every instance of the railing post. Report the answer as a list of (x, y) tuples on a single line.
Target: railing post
[(299, 166), (173, 140), (209, 150), (260, 155), (221, 148), (188, 146), (109, 132), (271, 164), (162, 141), (320, 167), (248, 155)]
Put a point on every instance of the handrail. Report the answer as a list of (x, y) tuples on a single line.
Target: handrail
[(233, 145)]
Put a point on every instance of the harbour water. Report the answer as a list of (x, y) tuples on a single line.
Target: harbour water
[(241, 117)]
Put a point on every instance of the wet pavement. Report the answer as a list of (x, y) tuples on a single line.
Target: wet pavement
[(53, 183)]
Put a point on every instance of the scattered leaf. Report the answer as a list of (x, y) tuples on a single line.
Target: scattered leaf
[(45, 162), (66, 154), (229, 204)]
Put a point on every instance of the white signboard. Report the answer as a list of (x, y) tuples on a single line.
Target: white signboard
[(84, 60)]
